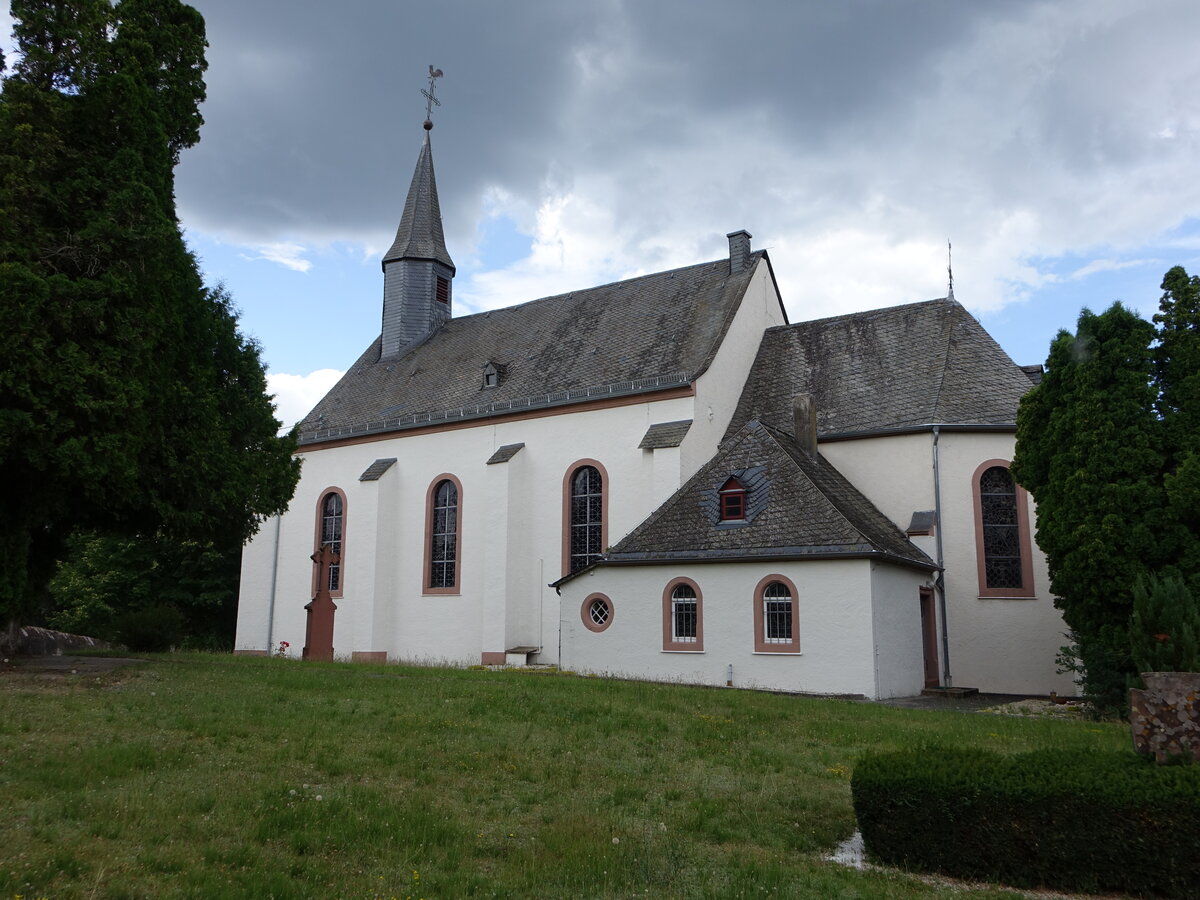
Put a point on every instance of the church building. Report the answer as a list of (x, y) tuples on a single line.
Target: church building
[(662, 478)]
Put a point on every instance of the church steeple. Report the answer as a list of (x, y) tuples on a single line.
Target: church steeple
[(417, 269)]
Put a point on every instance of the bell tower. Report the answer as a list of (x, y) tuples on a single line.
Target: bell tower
[(418, 272)]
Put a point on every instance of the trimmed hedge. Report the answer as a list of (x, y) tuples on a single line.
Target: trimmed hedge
[(1073, 820)]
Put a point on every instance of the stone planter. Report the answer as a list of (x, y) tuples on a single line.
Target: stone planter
[(1165, 717)]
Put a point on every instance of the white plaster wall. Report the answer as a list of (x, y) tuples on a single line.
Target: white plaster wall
[(1002, 645), (834, 606), (511, 532), (720, 387), (996, 645), (899, 651), (895, 473), (387, 560), (255, 589)]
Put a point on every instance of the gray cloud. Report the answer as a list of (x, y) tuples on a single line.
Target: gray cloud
[(851, 138)]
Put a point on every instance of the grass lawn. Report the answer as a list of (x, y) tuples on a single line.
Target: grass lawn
[(215, 776)]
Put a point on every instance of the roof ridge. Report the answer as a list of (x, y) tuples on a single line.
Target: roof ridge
[(862, 312), (826, 469), (776, 435), (941, 383), (675, 495), (585, 290)]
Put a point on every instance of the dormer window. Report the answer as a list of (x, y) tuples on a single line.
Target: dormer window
[(492, 373), (733, 501)]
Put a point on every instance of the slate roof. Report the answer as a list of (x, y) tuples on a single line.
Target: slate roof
[(420, 233), (894, 368), (628, 337), (375, 470), (504, 453), (665, 434), (810, 511)]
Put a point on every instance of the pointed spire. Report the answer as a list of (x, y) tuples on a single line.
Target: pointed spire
[(417, 270), (420, 233)]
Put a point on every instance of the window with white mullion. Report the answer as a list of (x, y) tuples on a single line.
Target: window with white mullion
[(684, 619), (777, 614)]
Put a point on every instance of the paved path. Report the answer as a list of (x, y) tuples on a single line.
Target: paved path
[(64, 666)]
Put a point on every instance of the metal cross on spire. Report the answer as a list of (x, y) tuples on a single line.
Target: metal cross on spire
[(430, 100), (949, 270)]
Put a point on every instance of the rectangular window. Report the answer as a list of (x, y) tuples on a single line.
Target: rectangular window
[(733, 505), (777, 621), (683, 617)]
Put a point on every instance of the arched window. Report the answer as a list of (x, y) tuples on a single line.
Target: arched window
[(776, 619), (1001, 533), (585, 502), (444, 536), (331, 513), (683, 616)]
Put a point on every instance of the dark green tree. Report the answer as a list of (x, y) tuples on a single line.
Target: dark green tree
[(1090, 449), (1164, 630), (1177, 374), (129, 402), (147, 593)]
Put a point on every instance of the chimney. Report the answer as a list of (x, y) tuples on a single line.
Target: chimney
[(739, 251), (804, 421)]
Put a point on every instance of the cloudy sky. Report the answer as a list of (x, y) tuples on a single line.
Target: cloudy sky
[(1054, 143)]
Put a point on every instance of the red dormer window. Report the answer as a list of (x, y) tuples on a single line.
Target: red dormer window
[(733, 501)]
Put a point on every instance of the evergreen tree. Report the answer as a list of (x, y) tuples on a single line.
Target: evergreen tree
[(1164, 630), (1177, 374), (1090, 450), (129, 402)]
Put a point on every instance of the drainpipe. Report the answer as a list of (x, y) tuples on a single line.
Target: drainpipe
[(940, 583), (274, 575)]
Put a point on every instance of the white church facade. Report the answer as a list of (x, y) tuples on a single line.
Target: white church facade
[(663, 478)]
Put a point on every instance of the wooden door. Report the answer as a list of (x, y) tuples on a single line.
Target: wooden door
[(929, 638)]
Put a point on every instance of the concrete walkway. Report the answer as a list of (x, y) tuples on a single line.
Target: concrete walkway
[(64, 666)]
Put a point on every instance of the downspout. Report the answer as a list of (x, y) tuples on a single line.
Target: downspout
[(274, 576), (940, 583)]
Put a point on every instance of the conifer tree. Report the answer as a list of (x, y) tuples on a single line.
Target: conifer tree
[(129, 402), (1164, 630), (1177, 374), (1090, 450)]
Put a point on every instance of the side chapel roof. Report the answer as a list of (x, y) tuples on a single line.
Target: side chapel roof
[(894, 368), (628, 337), (805, 509)]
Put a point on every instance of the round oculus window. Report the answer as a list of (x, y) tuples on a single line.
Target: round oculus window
[(597, 612)]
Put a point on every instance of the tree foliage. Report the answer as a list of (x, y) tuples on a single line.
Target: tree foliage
[(1177, 370), (1102, 444), (1164, 630), (147, 593), (129, 402)]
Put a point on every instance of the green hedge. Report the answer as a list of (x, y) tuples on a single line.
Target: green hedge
[(1073, 820)]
